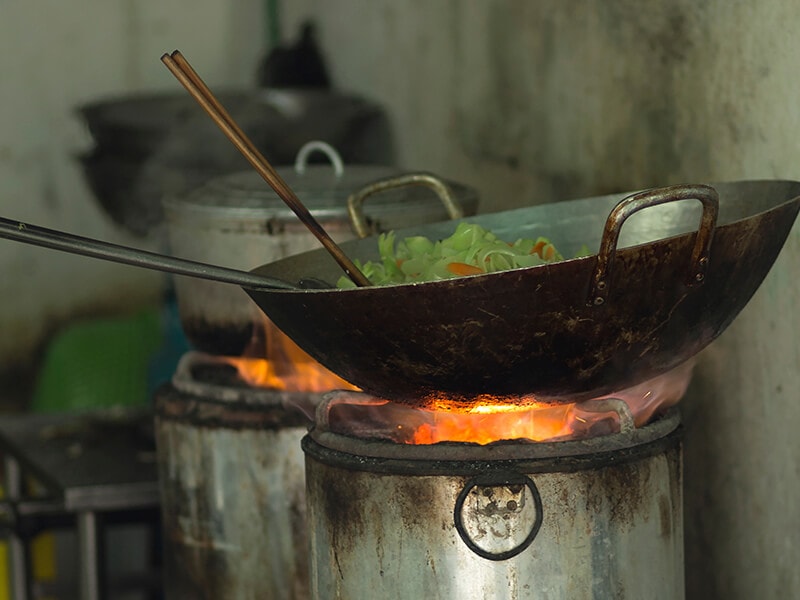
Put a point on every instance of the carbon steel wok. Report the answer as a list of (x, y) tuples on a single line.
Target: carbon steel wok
[(656, 293), (651, 298)]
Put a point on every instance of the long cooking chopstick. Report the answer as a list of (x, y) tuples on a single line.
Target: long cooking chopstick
[(194, 84)]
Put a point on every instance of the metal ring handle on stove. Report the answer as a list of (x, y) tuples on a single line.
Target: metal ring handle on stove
[(473, 521), (698, 265), (355, 203)]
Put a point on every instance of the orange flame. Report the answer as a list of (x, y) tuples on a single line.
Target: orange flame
[(494, 419), (286, 366), (488, 423)]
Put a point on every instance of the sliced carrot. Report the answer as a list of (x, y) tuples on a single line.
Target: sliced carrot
[(537, 248), (549, 252), (460, 268)]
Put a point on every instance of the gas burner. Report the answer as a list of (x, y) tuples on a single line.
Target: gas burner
[(593, 511), (573, 497), (593, 518), (232, 483), (219, 379), (360, 415)]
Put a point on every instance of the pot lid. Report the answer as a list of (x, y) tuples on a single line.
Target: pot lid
[(323, 188)]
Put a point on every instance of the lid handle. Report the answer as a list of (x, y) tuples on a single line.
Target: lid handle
[(301, 161)]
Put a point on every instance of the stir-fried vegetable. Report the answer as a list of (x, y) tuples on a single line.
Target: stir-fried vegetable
[(471, 250)]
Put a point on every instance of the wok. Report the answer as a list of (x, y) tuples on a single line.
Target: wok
[(659, 290), (151, 145)]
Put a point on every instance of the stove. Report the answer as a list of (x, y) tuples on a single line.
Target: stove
[(232, 484), (593, 510), (378, 499)]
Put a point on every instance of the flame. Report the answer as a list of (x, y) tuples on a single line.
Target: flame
[(486, 423), (492, 419), (286, 366)]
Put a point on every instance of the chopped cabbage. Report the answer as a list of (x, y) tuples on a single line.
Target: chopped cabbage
[(471, 250)]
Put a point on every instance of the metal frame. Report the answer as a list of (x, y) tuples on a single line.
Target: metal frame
[(96, 489)]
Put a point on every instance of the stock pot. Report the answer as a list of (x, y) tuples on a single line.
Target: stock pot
[(238, 221)]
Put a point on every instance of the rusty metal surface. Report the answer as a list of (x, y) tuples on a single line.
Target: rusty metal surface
[(614, 531), (172, 405), (233, 504), (532, 330)]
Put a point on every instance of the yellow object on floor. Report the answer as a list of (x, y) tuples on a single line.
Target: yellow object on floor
[(43, 554), (43, 561)]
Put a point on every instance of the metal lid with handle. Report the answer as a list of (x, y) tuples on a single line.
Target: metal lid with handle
[(325, 190)]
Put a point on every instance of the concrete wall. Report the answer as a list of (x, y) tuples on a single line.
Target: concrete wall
[(543, 100), (55, 56), (535, 101)]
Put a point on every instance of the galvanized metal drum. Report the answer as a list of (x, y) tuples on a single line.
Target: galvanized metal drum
[(232, 490), (578, 520)]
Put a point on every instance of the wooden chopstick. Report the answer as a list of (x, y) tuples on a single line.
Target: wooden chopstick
[(194, 84), (200, 85)]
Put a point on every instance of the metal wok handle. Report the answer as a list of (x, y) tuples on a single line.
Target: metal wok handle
[(355, 202), (698, 265)]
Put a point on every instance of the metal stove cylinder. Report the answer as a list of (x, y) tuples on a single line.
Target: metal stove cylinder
[(599, 518), (233, 496)]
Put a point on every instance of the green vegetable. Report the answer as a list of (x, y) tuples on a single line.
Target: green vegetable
[(471, 250)]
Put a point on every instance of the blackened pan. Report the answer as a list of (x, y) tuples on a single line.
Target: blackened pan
[(664, 284)]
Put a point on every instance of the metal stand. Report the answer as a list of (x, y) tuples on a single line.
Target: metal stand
[(17, 549), (89, 542), (93, 466)]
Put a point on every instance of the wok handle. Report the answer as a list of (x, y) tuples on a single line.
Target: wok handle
[(698, 265), (355, 202), (67, 242)]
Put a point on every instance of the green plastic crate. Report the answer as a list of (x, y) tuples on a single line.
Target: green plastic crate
[(99, 363)]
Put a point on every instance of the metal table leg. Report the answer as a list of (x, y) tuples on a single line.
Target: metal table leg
[(90, 542), (17, 548)]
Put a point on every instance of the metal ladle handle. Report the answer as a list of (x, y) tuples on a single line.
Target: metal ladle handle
[(355, 202), (67, 242), (698, 265)]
